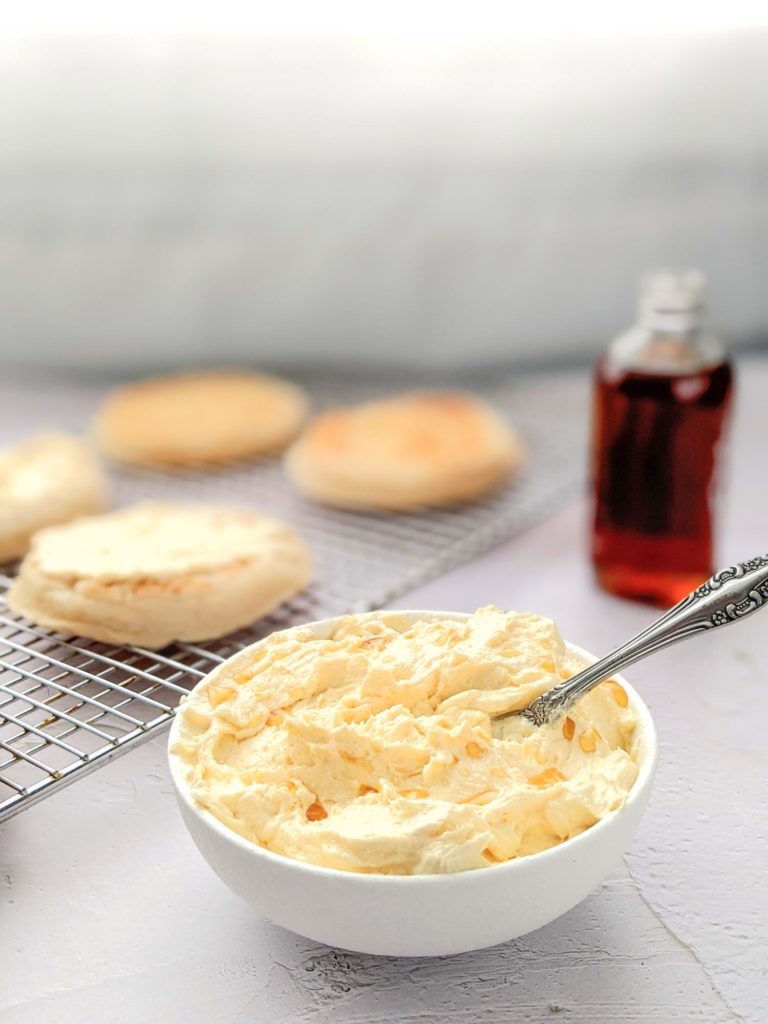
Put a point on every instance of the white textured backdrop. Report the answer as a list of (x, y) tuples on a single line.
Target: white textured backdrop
[(284, 199)]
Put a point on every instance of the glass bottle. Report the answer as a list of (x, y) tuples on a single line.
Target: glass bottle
[(661, 401)]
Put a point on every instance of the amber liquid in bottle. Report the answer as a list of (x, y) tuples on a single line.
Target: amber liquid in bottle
[(655, 449)]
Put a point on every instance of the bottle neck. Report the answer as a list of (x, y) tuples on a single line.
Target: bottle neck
[(682, 322), (665, 346)]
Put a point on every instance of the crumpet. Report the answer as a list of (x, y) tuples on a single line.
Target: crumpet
[(424, 448), (153, 573), (199, 418), (47, 480)]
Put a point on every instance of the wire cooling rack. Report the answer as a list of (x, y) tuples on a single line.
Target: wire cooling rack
[(68, 704)]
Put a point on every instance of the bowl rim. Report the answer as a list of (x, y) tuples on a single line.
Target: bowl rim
[(646, 771)]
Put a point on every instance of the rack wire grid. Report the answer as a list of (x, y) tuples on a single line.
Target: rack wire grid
[(70, 704)]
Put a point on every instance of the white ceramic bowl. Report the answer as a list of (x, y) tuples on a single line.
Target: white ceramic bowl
[(424, 915)]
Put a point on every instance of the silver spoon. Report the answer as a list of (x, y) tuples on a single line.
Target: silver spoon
[(727, 597)]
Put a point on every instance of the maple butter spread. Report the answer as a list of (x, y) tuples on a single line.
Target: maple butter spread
[(373, 750)]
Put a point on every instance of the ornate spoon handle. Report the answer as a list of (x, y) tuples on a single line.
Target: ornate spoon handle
[(727, 597)]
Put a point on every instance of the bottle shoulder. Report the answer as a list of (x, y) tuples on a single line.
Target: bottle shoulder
[(643, 350)]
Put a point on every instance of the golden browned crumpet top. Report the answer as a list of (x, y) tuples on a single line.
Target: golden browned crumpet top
[(200, 418), (422, 448)]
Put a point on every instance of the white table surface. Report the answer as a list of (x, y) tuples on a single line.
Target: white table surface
[(110, 914)]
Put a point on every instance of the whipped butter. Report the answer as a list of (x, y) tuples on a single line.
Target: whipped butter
[(373, 750)]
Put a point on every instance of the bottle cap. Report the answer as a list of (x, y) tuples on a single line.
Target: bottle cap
[(672, 300), (672, 291)]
